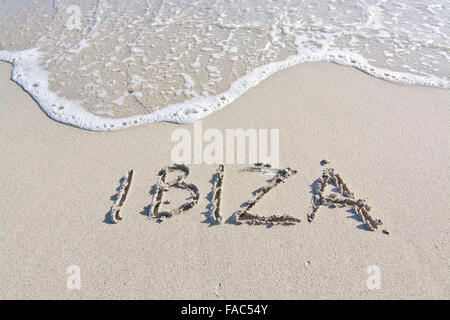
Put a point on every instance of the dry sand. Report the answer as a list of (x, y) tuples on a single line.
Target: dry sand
[(390, 142)]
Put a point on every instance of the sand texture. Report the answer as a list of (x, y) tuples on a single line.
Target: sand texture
[(388, 142)]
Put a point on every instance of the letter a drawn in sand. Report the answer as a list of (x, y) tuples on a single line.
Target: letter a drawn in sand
[(359, 206)]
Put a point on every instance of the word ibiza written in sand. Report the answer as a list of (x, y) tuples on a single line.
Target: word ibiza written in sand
[(343, 198)]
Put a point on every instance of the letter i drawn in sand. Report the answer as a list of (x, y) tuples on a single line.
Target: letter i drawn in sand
[(121, 197), (217, 195)]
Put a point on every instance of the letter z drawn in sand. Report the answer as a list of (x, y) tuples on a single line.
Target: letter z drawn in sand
[(162, 186), (281, 175)]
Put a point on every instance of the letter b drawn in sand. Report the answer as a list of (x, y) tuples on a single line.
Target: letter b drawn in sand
[(74, 279), (162, 185), (374, 280), (74, 20)]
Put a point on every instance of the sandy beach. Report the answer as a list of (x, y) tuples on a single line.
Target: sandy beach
[(390, 143)]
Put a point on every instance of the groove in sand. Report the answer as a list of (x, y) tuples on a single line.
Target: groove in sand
[(121, 197), (281, 176), (162, 186)]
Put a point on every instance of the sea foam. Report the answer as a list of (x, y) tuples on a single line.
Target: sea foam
[(129, 65)]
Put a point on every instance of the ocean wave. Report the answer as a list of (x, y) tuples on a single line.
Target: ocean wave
[(105, 65)]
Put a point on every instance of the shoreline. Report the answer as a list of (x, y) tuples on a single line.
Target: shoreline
[(70, 112), (388, 141)]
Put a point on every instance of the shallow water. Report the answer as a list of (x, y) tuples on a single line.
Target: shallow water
[(104, 65)]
